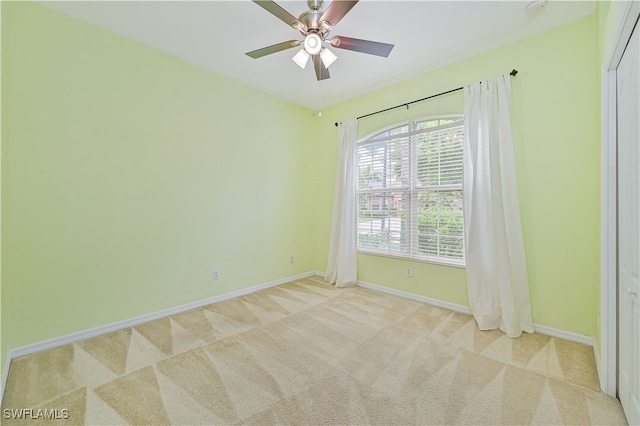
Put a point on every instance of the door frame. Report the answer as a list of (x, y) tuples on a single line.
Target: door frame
[(625, 20)]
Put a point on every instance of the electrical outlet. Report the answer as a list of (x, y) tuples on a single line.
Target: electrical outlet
[(216, 274), (291, 260), (409, 272)]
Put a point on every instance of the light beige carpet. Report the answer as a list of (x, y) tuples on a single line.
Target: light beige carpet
[(306, 353)]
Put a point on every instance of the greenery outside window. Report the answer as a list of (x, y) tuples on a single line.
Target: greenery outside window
[(409, 191)]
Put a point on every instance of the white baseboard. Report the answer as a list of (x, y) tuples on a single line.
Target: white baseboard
[(424, 299), (596, 354), (5, 374), (542, 329), (108, 328), (562, 334)]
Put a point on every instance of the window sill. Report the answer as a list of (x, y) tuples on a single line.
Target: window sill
[(437, 261)]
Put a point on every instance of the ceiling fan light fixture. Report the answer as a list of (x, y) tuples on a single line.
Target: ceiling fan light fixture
[(328, 57), (301, 58), (312, 44)]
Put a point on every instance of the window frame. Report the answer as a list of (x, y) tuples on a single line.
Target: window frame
[(413, 190)]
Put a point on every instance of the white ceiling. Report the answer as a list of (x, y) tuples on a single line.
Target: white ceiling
[(426, 34)]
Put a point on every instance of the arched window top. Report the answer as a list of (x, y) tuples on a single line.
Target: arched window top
[(406, 127)]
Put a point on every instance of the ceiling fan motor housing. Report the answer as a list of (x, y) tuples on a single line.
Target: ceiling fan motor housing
[(311, 20)]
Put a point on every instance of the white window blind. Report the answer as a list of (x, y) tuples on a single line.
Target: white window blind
[(410, 191)]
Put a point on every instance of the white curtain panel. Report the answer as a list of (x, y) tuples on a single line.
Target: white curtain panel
[(494, 248), (342, 263)]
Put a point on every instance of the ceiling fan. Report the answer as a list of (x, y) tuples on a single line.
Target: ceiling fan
[(315, 25)]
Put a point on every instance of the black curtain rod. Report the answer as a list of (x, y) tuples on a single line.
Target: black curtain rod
[(512, 73)]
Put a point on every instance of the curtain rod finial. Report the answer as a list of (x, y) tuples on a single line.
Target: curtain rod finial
[(514, 72), (336, 123)]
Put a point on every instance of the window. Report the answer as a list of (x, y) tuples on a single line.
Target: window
[(409, 191)]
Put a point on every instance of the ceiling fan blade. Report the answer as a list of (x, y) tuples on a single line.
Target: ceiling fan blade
[(259, 53), (277, 11), (363, 46), (336, 11), (322, 73)]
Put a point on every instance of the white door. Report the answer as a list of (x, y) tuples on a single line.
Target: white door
[(628, 99)]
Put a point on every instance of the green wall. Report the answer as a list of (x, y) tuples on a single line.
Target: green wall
[(129, 174), (556, 116), (2, 351), (607, 11)]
